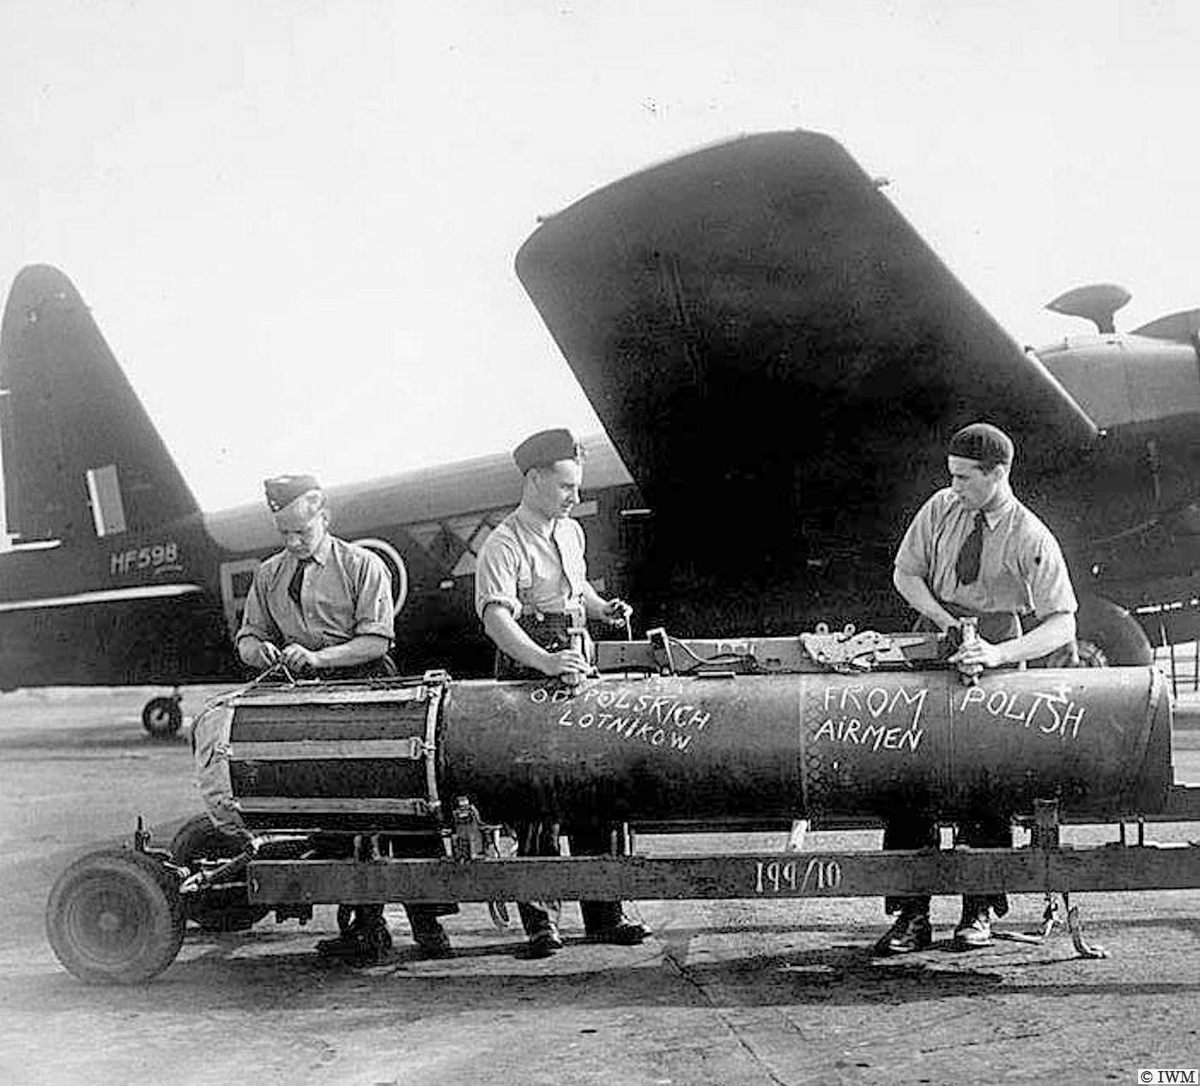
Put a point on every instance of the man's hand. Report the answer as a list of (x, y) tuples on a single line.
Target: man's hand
[(267, 655), (568, 662), (298, 658), (971, 659), (616, 612)]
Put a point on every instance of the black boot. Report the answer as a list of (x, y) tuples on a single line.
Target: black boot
[(366, 941), (430, 937), (910, 932), (545, 942), (605, 922), (974, 930)]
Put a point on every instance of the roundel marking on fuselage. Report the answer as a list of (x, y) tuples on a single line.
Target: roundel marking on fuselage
[(396, 568)]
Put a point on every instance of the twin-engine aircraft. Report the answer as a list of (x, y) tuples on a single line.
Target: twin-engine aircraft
[(778, 360), (110, 574)]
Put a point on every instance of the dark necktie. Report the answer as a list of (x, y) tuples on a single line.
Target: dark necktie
[(297, 581), (967, 566)]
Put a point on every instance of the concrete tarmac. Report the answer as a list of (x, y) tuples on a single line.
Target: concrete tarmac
[(725, 992)]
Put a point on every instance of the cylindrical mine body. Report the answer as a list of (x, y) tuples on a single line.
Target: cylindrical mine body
[(812, 746), (662, 748)]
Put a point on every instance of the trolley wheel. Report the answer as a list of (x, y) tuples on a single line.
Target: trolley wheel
[(115, 917), (162, 717), (215, 909)]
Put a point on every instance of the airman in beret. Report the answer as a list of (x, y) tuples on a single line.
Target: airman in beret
[(973, 550)]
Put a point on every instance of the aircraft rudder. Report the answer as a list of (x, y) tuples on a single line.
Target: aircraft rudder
[(81, 456)]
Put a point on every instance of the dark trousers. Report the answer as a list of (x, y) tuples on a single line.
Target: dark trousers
[(915, 831), (420, 916), (542, 839)]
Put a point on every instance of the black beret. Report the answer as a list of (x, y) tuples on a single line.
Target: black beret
[(983, 442), (545, 448), (285, 489)]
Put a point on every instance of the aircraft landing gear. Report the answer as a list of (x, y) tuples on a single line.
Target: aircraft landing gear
[(162, 717), (1109, 636)]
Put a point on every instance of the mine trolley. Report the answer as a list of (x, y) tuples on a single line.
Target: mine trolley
[(826, 730)]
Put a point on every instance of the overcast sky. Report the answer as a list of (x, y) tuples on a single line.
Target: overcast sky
[(295, 222)]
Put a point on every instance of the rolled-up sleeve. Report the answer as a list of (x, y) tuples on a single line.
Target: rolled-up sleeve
[(1049, 582), (256, 618), (373, 608), (914, 555), (496, 574)]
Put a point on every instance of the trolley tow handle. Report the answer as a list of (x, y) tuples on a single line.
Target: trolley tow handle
[(1049, 919), (201, 880)]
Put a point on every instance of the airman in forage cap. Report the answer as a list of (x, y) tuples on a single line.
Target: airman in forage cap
[(323, 607)]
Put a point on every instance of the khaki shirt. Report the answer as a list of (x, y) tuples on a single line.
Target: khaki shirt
[(1021, 568), (531, 565), (346, 593)]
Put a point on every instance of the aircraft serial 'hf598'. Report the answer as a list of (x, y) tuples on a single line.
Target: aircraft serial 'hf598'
[(778, 360)]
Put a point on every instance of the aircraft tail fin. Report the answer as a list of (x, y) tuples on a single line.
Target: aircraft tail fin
[(81, 457)]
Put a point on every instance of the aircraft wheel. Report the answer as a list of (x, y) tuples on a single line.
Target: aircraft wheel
[(162, 717), (227, 908), (1109, 636), (115, 917)]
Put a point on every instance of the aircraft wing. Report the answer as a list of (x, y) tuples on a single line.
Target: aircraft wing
[(767, 339)]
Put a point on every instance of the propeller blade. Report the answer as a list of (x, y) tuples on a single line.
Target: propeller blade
[(1096, 302), (1181, 327)]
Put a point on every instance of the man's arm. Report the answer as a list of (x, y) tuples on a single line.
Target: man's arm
[(614, 611), (1056, 631), (917, 593), (257, 638), (358, 650), (1053, 597), (509, 638)]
